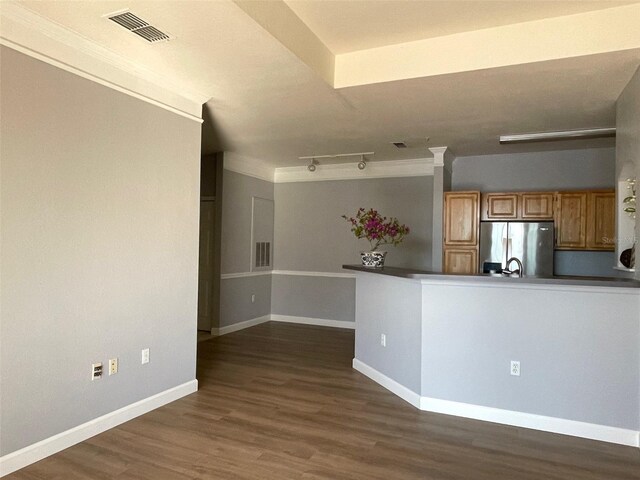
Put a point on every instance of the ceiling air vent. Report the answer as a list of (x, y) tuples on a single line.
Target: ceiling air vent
[(400, 144), (135, 24)]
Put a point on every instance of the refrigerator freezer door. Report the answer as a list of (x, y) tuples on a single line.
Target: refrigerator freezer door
[(532, 243), (493, 246)]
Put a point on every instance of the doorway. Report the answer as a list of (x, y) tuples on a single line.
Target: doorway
[(209, 257)]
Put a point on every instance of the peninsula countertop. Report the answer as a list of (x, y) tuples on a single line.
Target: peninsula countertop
[(417, 274)]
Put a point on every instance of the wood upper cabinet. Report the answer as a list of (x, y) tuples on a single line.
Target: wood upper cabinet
[(571, 220), (601, 224), (499, 206), (585, 220), (536, 206), (461, 219), (461, 260)]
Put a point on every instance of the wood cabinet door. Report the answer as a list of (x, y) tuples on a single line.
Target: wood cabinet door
[(601, 224), (461, 218), (536, 206), (461, 260), (571, 220), (500, 206)]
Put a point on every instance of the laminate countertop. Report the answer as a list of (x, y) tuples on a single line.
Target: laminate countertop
[(417, 274)]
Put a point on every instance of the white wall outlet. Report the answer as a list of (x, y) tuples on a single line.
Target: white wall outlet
[(113, 366), (253, 298), (96, 371), (383, 340), (515, 368), (145, 356)]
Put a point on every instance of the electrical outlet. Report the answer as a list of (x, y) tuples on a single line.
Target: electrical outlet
[(145, 356), (515, 368), (96, 371), (383, 340), (253, 299), (113, 366)]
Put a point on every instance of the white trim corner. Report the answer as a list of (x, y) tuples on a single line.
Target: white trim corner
[(401, 391), (240, 325)]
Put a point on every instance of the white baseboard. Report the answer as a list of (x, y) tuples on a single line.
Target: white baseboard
[(543, 423), (26, 456), (283, 318), (391, 385), (314, 321), (240, 325), (563, 426)]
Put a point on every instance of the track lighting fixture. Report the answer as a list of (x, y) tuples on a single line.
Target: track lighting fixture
[(362, 164)]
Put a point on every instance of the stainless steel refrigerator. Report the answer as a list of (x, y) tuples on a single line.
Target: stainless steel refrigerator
[(531, 243)]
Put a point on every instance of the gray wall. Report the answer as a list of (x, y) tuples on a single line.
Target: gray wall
[(390, 306), (311, 236), (555, 170), (235, 299), (314, 297), (235, 293), (628, 147), (570, 344), (99, 233)]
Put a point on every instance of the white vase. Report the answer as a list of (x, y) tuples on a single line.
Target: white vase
[(373, 259)]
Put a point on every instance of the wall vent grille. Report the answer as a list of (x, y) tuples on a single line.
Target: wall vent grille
[(263, 254), (140, 27)]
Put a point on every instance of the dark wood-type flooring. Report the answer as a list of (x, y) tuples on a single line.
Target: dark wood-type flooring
[(281, 401)]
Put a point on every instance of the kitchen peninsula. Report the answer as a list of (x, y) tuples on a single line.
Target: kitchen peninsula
[(445, 343)]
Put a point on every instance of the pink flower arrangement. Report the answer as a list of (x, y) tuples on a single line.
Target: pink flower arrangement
[(377, 229)]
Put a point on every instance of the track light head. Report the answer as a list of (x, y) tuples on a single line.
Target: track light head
[(312, 166), (362, 164)]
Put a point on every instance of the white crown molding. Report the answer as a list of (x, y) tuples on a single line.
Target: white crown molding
[(248, 166), (442, 157), (349, 171), (39, 37), (44, 448)]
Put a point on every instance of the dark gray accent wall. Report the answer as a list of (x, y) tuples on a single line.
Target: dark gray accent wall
[(99, 233), (555, 170)]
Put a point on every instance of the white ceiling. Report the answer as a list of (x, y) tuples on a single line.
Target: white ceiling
[(350, 25), (268, 105)]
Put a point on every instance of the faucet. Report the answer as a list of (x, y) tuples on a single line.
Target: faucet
[(518, 270)]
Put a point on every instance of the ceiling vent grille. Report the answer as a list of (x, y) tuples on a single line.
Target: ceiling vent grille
[(136, 25), (400, 144)]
